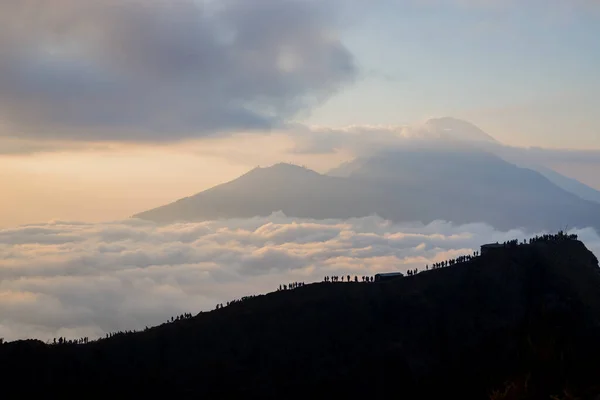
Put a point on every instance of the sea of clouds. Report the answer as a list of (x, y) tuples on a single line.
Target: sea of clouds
[(80, 279)]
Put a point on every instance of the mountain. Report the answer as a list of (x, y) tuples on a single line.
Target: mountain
[(516, 323), (454, 129), (461, 186), (448, 132), (448, 170), (569, 184), (295, 190), (534, 159), (469, 186)]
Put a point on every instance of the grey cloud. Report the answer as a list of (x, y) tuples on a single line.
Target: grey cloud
[(165, 69), (89, 279)]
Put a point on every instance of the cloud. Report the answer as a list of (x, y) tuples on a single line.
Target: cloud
[(79, 279), (9, 147), (19, 147), (364, 140), (164, 69), (360, 140)]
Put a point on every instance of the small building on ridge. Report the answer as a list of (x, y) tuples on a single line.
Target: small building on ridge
[(488, 248), (387, 276)]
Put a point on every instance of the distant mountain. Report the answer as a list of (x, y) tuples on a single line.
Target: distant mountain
[(569, 184), (457, 186), (449, 170), (470, 186), (450, 132), (518, 323), (296, 191)]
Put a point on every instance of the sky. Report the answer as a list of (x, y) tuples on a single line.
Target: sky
[(112, 107), (525, 71)]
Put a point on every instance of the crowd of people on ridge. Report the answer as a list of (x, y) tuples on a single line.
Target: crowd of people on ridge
[(290, 286), (349, 278), (453, 261), (84, 340), (560, 236), (220, 305)]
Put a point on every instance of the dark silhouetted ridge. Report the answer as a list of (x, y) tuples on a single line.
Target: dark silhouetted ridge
[(522, 320)]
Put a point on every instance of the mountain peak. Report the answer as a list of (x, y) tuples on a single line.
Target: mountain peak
[(282, 168), (457, 129)]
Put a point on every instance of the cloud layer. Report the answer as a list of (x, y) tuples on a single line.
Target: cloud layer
[(77, 279), (163, 69)]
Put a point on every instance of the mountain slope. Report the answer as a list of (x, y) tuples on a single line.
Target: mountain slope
[(450, 170), (425, 185), (294, 190), (534, 159), (525, 313), (469, 186), (569, 184)]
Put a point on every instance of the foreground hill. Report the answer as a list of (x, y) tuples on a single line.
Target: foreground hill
[(520, 323)]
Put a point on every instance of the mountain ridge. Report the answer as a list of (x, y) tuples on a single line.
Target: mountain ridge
[(454, 172), (403, 186), (572, 185)]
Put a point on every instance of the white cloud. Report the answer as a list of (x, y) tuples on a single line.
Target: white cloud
[(77, 279)]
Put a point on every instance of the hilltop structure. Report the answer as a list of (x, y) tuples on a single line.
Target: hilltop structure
[(387, 276), (491, 247)]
